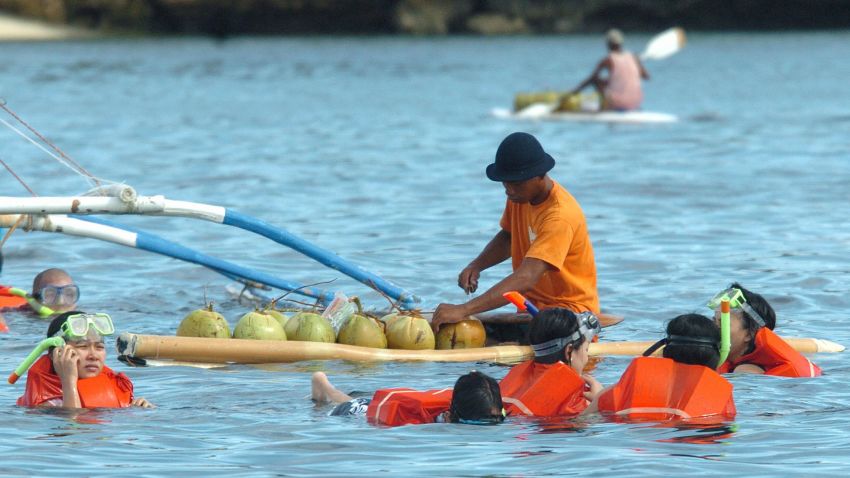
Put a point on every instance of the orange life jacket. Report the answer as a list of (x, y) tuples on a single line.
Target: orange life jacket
[(404, 406), (543, 390), (776, 357), (655, 388), (9, 301), (107, 390)]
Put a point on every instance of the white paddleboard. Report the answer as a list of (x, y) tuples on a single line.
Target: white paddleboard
[(542, 111)]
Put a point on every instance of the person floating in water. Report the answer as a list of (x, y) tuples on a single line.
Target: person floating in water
[(474, 400), (53, 290), (75, 375), (553, 383), (544, 233), (754, 347), (620, 90), (681, 385)]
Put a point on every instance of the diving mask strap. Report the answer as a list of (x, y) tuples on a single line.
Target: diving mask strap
[(752, 313), (657, 345), (551, 346)]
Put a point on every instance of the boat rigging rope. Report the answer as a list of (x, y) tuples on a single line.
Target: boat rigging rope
[(65, 160)]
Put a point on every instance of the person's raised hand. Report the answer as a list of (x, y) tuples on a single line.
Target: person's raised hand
[(65, 360)]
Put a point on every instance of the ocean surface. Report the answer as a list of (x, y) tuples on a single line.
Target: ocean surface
[(375, 148)]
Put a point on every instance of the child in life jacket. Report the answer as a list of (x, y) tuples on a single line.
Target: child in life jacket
[(681, 385), (72, 374), (552, 383), (475, 400), (754, 347)]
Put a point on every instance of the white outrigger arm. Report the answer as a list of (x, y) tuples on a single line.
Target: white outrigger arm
[(50, 214)]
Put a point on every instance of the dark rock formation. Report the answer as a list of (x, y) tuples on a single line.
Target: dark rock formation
[(429, 17)]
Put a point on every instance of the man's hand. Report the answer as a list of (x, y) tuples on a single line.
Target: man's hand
[(468, 279), (448, 314)]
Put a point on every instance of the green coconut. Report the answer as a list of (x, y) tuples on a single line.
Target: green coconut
[(409, 331), (281, 318), (310, 327), (363, 331), (461, 335), (258, 325), (204, 323)]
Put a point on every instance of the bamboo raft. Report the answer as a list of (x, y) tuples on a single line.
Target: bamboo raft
[(137, 348)]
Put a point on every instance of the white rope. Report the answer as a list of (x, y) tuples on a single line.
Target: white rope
[(91, 179)]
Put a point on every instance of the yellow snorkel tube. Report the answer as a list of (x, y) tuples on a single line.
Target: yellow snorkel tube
[(725, 333), (35, 354), (39, 308)]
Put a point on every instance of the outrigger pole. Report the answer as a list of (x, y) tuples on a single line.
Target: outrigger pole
[(109, 231), (121, 199)]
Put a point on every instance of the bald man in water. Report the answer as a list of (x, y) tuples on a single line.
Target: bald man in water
[(54, 288)]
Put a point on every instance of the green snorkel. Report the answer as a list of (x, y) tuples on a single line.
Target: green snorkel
[(39, 308), (35, 354), (725, 334)]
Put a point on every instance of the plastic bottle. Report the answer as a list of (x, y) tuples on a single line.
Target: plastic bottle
[(339, 311)]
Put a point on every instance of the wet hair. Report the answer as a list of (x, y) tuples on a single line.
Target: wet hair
[(760, 306), (695, 326), (46, 275), (60, 319), (553, 324), (476, 398)]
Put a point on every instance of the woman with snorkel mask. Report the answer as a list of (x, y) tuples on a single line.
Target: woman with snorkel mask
[(754, 347), (73, 373), (552, 383), (681, 385)]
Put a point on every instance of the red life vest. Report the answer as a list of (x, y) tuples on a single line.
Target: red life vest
[(543, 390), (776, 357), (655, 388), (404, 406), (107, 390)]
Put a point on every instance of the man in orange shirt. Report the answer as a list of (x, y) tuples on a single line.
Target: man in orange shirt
[(543, 231)]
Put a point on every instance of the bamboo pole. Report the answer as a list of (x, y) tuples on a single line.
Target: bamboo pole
[(196, 349)]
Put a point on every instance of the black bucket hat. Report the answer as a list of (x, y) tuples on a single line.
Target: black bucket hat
[(519, 158)]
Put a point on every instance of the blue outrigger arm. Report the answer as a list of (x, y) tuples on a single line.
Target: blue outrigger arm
[(121, 199)]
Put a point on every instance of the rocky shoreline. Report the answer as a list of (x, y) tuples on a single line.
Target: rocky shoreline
[(224, 18)]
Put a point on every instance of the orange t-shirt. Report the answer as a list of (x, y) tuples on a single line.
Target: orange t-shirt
[(555, 232)]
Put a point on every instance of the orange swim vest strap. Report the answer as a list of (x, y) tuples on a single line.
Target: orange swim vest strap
[(543, 390), (404, 406), (656, 388)]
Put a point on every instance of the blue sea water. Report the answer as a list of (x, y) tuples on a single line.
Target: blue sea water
[(375, 148)]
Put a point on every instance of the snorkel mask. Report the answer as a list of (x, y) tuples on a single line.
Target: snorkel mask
[(588, 327), (736, 301), (76, 327)]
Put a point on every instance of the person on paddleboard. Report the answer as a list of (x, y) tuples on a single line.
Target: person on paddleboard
[(73, 374), (544, 233), (474, 400), (620, 89), (754, 347)]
